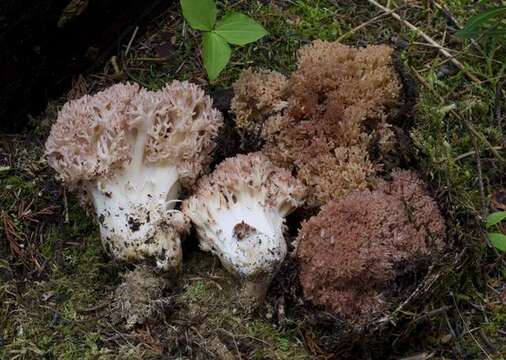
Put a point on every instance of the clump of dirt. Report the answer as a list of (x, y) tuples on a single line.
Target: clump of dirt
[(140, 297)]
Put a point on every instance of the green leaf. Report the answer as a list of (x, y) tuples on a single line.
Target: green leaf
[(498, 240), (474, 25), (495, 218), (216, 53), (239, 29), (200, 14)]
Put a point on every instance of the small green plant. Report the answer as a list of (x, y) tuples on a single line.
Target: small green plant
[(234, 28), (497, 238), (488, 24)]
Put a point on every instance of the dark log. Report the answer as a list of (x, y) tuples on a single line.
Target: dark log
[(40, 51)]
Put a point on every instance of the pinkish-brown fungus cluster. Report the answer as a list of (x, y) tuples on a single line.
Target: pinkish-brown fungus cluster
[(268, 87), (94, 136), (130, 152), (353, 250), (321, 123), (323, 119)]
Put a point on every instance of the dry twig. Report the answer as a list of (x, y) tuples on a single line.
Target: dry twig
[(364, 24), (427, 38), (131, 40)]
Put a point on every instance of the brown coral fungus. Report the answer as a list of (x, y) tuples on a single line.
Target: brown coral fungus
[(354, 250), (326, 117), (324, 159), (257, 95), (361, 80)]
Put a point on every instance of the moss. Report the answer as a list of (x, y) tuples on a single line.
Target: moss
[(41, 314), (195, 292), (47, 318), (279, 344), (16, 185), (207, 291)]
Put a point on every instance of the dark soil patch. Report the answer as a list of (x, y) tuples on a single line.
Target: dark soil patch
[(45, 44)]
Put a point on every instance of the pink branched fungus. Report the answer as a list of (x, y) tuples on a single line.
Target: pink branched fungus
[(351, 253), (132, 151), (239, 213)]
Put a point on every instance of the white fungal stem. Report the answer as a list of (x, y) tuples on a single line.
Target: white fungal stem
[(128, 147), (259, 248), (132, 212)]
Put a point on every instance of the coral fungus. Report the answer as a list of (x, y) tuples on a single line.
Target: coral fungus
[(361, 81), (325, 160), (132, 151), (354, 249), (326, 116), (239, 213), (257, 95)]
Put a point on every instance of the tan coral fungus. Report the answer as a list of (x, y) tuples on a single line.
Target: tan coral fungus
[(361, 81), (132, 151), (336, 103), (351, 252), (257, 95)]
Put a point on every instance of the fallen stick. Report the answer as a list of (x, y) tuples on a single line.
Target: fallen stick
[(427, 38), (368, 22)]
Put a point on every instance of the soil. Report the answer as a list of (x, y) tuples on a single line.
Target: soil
[(44, 44)]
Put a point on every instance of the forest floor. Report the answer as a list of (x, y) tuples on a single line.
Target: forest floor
[(56, 280)]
